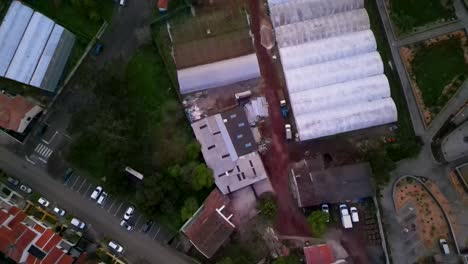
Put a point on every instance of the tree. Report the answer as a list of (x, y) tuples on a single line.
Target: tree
[(202, 177), (193, 150), (318, 222), (189, 208), (225, 260), (267, 206), (291, 259), (381, 165)]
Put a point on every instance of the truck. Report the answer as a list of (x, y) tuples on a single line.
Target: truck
[(284, 109), (287, 128), (345, 217)]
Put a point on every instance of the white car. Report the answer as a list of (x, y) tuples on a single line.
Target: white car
[(345, 217), (102, 199), (354, 214), (126, 225), (115, 246), (123, 2), (43, 202), (26, 189), (128, 213), (78, 223), (96, 192), (444, 246), (326, 209), (59, 211)]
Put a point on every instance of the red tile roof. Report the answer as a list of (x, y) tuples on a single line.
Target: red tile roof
[(320, 254), (39, 228), (30, 259), (208, 230), (40, 243), (66, 259), (7, 237), (12, 111), (21, 244), (163, 5), (52, 242), (53, 256), (13, 210), (19, 217), (3, 216)]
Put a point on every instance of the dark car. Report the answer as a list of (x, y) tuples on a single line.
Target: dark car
[(68, 174), (13, 181), (147, 226), (98, 48)]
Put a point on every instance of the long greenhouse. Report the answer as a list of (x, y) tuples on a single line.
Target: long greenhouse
[(334, 74)]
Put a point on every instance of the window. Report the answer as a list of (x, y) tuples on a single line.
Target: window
[(251, 164), (204, 126), (243, 175), (255, 173), (225, 156), (216, 133), (238, 177), (211, 147)]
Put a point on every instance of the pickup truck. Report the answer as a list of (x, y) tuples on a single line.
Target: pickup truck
[(345, 217)]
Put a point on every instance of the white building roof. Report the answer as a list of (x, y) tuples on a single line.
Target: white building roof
[(288, 12), (34, 50), (218, 74)]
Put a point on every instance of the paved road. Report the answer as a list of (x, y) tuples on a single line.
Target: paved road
[(138, 246), (434, 32)]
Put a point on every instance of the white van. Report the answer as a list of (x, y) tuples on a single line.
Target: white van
[(96, 193), (115, 246), (444, 246), (345, 217), (102, 199)]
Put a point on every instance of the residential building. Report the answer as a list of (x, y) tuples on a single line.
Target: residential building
[(319, 254), (34, 49), (16, 113), (230, 150), (210, 227), (312, 185), (26, 240)]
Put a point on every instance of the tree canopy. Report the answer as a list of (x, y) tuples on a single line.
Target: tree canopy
[(318, 222)]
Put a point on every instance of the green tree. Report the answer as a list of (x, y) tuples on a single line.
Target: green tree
[(381, 165), (193, 150), (189, 208), (202, 177), (291, 259), (268, 207), (225, 260), (318, 222)]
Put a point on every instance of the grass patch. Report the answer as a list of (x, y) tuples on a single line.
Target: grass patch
[(439, 69), (410, 14)]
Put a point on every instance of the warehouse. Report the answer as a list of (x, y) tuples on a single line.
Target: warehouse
[(334, 74), (34, 49)]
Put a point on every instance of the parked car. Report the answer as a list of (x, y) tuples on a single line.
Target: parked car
[(102, 199), (123, 2), (96, 193), (98, 48), (326, 210), (115, 246), (147, 226), (288, 131), (68, 174), (26, 189), (43, 202), (284, 109), (345, 217), (78, 223), (129, 213), (354, 214), (444, 246), (13, 181), (126, 225), (59, 211)]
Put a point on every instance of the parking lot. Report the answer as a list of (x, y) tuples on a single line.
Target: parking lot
[(117, 207)]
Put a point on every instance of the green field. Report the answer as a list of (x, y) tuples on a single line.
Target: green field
[(410, 14), (436, 66)]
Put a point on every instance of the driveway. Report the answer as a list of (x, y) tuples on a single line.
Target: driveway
[(138, 246)]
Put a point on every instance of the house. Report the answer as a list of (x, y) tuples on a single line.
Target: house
[(26, 240), (210, 227), (34, 49), (319, 254), (16, 113), (230, 150), (312, 185)]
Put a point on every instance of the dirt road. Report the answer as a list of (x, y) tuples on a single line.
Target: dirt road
[(290, 220)]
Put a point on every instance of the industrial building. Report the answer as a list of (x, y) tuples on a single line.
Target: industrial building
[(34, 49), (334, 75)]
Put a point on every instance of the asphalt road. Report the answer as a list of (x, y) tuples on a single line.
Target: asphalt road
[(137, 245)]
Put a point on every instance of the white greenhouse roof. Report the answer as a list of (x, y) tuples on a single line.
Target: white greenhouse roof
[(34, 49), (294, 11), (218, 74), (331, 72), (350, 118), (328, 49), (322, 27)]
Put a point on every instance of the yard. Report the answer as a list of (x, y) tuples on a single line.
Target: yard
[(435, 83), (411, 15)]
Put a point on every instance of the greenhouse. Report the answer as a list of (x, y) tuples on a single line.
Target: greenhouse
[(322, 27), (328, 49), (218, 74), (288, 12), (350, 118)]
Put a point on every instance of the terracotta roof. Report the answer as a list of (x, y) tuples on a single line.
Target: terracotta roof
[(30, 259), (320, 254), (163, 5), (40, 243), (21, 244), (12, 111), (13, 210), (65, 259), (19, 217), (52, 242), (207, 229), (3, 216), (7, 237), (53, 256)]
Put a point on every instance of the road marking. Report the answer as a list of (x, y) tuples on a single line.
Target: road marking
[(29, 160), (118, 209), (41, 159), (81, 185), (110, 208), (87, 189), (157, 232), (136, 223), (75, 182), (48, 142)]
